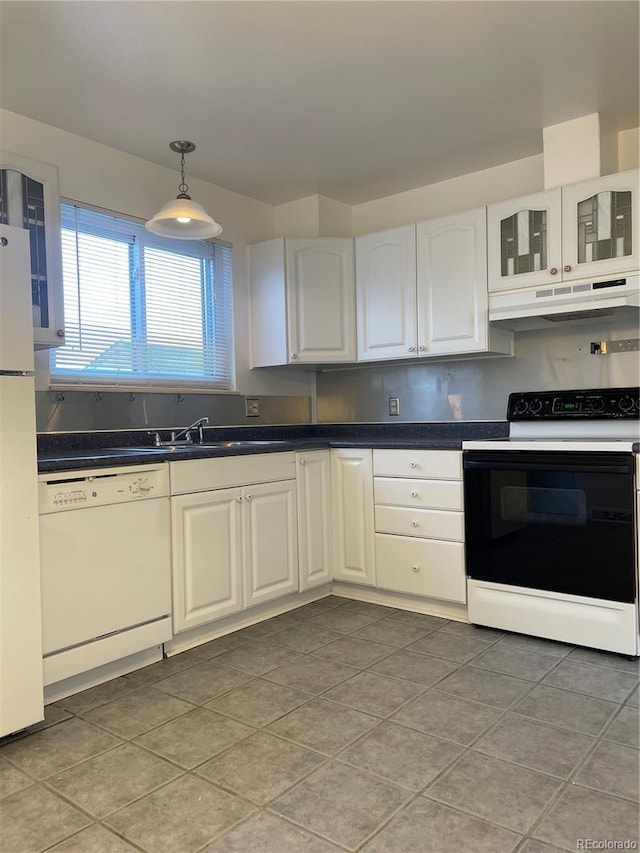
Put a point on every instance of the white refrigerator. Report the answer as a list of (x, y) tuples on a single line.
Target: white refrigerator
[(21, 690)]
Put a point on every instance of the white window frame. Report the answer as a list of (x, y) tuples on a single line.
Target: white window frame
[(222, 288)]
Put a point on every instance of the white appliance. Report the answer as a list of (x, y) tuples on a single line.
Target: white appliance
[(21, 686), (545, 306), (106, 571), (551, 519)]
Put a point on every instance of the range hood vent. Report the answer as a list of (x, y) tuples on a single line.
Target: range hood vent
[(573, 302)]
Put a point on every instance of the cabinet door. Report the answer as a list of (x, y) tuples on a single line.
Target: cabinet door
[(452, 284), (270, 541), (386, 294), (352, 490), (29, 198), (524, 241), (601, 226), (321, 300), (207, 557), (314, 518)]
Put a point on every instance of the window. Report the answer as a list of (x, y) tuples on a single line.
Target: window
[(142, 310)]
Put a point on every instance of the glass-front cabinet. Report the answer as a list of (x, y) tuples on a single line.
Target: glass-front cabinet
[(600, 226), (581, 231), (29, 199), (524, 241)]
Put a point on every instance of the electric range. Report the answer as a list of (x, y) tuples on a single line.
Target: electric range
[(551, 519)]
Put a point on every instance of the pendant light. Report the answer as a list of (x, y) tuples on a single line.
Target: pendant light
[(182, 218)]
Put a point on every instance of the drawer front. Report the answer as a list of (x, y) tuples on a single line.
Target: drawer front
[(200, 475), (430, 494), (425, 523), (429, 464), (421, 567)]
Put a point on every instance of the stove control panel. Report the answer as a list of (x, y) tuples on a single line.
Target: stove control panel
[(596, 404)]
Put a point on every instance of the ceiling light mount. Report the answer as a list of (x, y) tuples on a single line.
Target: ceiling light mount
[(182, 218)]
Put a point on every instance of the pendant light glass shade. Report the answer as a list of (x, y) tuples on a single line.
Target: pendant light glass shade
[(182, 218)]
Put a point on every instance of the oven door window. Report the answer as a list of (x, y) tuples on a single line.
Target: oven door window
[(559, 523)]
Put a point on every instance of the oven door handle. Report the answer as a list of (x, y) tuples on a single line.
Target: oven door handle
[(547, 466)]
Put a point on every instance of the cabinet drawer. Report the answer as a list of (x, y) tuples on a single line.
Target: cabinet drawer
[(429, 464), (421, 567), (430, 494), (199, 475), (425, 523)]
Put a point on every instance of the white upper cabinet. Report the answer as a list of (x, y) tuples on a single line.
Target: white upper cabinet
[(580, 231), (600, 226), (386, 294), (29, 199), (452, 287), (524, 241), (302, 301)]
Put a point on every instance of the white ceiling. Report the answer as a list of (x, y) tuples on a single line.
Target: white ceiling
[(353, 100)]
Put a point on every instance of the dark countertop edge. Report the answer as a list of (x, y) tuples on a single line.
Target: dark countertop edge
[(78, 457)]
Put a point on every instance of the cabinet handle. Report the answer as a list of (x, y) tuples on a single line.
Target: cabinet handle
[(239, 499), (248, 497), (294, 355), (567, 267), (411, 349), (60, 333), (421, 347), (414, 524), (554, 270), (414, 494), (303, 461), (4, 241), (412, 464), (415, 569)]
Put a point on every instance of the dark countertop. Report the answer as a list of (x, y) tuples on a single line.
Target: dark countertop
[(75, 451)]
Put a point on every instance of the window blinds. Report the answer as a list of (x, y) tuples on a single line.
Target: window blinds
[(141, 310)]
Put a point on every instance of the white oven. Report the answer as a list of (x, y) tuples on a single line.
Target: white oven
[(105, 562), (551, 537)]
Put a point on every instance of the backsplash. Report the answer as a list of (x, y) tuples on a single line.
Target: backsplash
[(70, 411), (476, 389)]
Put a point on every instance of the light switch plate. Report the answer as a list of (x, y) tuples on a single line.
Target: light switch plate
[(252, 407), (394, 405)]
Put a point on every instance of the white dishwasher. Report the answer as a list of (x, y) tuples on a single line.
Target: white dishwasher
[(105, 554)]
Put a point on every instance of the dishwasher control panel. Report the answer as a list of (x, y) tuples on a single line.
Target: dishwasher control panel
[(80, 489)]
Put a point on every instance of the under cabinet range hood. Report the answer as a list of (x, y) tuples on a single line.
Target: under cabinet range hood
[(567, 302)]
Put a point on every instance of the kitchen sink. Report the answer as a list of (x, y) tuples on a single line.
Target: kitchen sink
[(222, 444)]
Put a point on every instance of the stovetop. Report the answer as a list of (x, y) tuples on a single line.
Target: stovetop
[(604, 420)]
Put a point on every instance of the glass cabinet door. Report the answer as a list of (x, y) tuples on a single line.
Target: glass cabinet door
[(524, 241), (29, 199), (600, 226)]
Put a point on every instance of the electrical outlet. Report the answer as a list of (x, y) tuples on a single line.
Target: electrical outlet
[(252, 407), (394, 405)]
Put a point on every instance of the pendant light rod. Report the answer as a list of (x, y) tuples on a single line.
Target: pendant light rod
[(182, 218), (182, 147)]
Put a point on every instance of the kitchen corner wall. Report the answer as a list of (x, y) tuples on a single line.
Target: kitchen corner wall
[(549, 359)]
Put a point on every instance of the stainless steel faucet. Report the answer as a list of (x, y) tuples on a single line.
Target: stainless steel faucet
[(186, 432)]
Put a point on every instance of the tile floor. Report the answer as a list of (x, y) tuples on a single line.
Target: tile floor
[(338, 726)]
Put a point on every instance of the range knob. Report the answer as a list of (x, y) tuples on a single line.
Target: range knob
[(596, 404), (625, 404), (520, 407), (535, 406)]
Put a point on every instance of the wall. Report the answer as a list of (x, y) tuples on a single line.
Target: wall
[(99, 175), (550, 359)]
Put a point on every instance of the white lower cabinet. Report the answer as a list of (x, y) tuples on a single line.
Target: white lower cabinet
[(207, 557), (352, 495), (313, 471), (232, 547), (269, 541), (419, 528)]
